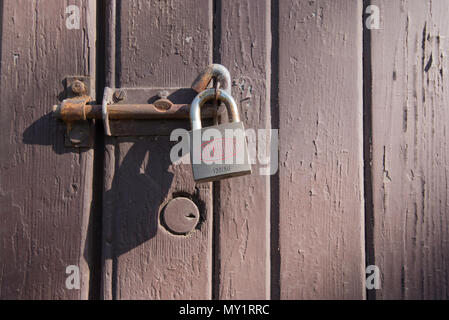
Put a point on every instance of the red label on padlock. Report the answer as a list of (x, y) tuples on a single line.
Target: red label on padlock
[(218, 149)]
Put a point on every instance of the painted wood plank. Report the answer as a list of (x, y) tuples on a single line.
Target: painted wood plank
[(45, 189), (321, 217), (410, 155), (163, 43), (159, 44), (242, 206)]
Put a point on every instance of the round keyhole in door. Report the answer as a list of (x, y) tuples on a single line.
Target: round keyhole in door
[(180, 216)]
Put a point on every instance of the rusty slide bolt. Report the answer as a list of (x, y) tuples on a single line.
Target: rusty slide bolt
[(76, 109)]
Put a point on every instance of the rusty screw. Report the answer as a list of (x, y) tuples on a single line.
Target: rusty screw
[(78, 87), (163, 104), (163, 94), (119, 95)]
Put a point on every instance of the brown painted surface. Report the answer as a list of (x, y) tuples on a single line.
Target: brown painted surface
[(45, 189), (359, 137), (148, 262), (320, 156), (242, 206), (409, 152), (142, 259)]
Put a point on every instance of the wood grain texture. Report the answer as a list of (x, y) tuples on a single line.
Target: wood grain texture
[(163, 43), (150, 262), (409, 153), (45, 189), (321, 219), (159, 44), (242, 204)]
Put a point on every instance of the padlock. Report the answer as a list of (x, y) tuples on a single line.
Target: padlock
[(221, 151)]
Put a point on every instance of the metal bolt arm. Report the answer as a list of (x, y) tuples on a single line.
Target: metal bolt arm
[(77, 109)]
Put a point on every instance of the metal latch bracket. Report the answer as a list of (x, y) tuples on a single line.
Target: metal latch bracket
[(131, 105)]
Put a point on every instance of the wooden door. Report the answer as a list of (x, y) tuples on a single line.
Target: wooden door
[(408, 208), (48, 205), (359, 173), (142, 260)]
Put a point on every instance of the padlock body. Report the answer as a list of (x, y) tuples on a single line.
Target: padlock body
[(219, 152)]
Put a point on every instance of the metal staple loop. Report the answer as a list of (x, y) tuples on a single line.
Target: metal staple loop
[(217, 72), (107, 99)]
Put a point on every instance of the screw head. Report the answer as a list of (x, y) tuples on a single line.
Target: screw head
[(163, 104), (78, 87), (163, 94), (119, 95)]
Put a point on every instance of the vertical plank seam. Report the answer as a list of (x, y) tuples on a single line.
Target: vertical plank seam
[(367, 147), (98, 161), (275, 257), (117, 43), (107, 226), (269, 48), (212, 233), (216, 269)]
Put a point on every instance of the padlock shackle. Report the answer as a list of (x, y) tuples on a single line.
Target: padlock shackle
[(209, 94)]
